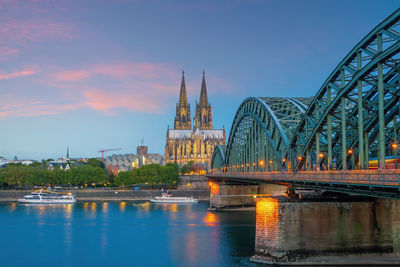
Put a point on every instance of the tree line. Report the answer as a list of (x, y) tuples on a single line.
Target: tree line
[(93, 173), (151, 175)]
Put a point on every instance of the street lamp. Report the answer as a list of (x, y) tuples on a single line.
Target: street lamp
[(350, 152), (394, 147)]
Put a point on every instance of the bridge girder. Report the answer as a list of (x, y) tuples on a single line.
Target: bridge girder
[(357, 109), (261, 131), (349, 110)]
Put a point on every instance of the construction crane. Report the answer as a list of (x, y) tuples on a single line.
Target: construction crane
[(106, 150)]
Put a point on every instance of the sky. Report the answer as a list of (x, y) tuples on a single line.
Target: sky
[(93, 75)]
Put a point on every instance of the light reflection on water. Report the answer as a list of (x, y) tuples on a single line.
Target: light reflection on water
[(100, 233)]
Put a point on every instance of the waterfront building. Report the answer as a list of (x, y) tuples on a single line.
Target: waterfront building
[(184, 143), (127, 162)]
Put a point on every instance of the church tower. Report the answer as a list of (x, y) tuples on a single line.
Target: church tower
[(182, 117), (203, 113)]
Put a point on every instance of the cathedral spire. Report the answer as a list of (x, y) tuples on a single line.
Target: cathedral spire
[(182, 95), (182, 117), (203, 93)]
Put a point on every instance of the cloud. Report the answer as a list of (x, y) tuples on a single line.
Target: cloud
[(109, 101), (27, 71), (37, 29), (109, 88), (6, 51), (115, 70)]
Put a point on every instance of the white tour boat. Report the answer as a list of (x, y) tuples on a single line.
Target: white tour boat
[(168, 198), (48, 197)]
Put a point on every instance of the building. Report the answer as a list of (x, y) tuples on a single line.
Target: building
[(127, 162), (184, 143)]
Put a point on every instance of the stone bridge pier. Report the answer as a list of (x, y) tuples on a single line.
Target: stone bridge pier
[(225, 195)]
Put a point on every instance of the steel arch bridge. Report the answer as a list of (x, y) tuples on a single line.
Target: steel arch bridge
[(352, 119)]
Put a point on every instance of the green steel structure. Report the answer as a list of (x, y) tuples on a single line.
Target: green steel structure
[(353, 118)]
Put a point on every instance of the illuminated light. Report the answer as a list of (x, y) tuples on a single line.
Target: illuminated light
[(242, 165), (210, 184), (394, 146), (254, 164), (254, 196), (210, 219), (214, 190), (247, 165), (122, 206), (350, 151), (283, 160), (262, 162), (173, 207), (270, 161), (93, 206), (267, 217), (299, 158), (321, 155), (105, 206)]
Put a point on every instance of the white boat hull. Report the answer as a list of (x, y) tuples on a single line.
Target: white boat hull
[(174, 200), (47, 197), (53, 201)]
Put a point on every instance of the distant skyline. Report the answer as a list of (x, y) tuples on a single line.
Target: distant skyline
[(92, 75)]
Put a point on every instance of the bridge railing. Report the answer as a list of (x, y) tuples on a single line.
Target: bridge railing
[(361, 178)]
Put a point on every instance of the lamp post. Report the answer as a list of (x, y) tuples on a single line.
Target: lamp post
[(262, 164), (321, 158), (351, 155), (394, 147), (283, 164)]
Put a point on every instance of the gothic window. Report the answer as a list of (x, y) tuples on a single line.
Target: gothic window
[(183, 119), (204, 119)]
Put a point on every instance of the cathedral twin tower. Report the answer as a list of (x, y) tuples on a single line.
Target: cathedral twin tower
[(185, 144), (203, 113)]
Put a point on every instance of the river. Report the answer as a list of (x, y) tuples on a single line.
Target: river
[(124, 234), (146, 234)]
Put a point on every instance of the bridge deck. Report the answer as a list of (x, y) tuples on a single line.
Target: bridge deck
[(371, 179)]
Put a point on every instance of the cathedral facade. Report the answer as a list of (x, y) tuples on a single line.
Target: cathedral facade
[(196, 144)]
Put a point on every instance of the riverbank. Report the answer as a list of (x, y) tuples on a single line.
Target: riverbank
[(111, 195)]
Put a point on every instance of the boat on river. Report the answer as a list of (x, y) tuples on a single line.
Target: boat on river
[(48, 197), (169, 198)]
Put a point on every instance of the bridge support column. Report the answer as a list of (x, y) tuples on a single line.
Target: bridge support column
[(360, 105), (329, 122), (343, 124), (381, 115)]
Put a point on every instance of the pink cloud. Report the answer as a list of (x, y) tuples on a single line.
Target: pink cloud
[(21, 31), (6, 51), (23, 108), (107, 101), (115, 70), (24, 72), (103, 87)]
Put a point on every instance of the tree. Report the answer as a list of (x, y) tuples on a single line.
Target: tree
[(187, 168), (96, 163)]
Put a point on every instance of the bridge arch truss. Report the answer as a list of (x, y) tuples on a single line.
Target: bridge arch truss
[(354, 116)]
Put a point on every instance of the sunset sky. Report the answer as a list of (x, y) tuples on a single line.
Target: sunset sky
[(104, 74)]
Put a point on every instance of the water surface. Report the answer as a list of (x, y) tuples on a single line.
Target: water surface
[(124, 234)]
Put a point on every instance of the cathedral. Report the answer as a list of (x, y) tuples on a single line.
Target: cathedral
[(185, 143)]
